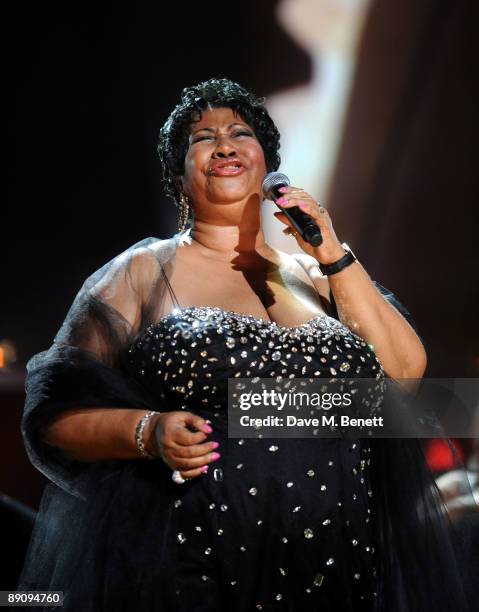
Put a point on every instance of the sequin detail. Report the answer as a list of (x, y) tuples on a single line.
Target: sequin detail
[(284, 491)]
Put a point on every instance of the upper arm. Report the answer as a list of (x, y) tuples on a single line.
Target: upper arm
[(108, 312), (128, 284), (392, 299)]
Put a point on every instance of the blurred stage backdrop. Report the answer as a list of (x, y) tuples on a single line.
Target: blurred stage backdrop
[(376, 102)]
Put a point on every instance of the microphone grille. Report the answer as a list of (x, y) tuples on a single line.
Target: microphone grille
[(271, 180)]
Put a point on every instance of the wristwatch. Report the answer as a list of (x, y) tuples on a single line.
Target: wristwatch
[(346, 260)]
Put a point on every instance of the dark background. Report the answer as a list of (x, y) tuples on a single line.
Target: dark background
[(93, 84)]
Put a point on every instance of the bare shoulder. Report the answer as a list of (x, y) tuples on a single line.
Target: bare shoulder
[(147, 259), (125, 270)]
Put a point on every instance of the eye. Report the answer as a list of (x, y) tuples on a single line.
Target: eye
[(242, 133), (200, 138)]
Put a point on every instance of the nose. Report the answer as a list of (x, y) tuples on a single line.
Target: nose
[(224, 149)]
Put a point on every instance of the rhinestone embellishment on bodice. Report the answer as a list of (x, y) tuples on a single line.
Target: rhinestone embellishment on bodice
[(194, 350)]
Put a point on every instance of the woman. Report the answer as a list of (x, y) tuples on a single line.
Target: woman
[(139, 370)]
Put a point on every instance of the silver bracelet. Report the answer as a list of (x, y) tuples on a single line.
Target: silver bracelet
[(140, 443)]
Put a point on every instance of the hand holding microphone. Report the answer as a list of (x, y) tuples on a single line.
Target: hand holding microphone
[(310, 222), (275, 185)]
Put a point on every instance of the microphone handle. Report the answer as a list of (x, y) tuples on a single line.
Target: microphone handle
[(302, 222)]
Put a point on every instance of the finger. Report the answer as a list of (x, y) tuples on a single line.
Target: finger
[(194, 450), (298, 193), (180, 463), (189, 474), (296, 201), (181, 432), (194, 421), (292, 189), (319, 214), (290, 230), (283, 218), (182, 436), (309, 207), (312, 209)]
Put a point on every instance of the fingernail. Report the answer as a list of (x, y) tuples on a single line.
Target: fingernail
[(204, 469), (216, 444), (207, 429), (215, 456), (283, 189), (281, 201)]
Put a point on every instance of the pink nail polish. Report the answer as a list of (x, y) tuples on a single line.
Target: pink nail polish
[(204, 469), (207, 429), (216, 444), (281, 201), (282, 189), (215, 456)]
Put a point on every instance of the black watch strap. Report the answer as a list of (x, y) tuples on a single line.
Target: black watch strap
[(346, 260)]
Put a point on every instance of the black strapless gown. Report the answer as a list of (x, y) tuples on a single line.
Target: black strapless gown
[(276, 524)]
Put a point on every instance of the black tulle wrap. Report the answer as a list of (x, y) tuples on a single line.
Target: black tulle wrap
[(102, 535)]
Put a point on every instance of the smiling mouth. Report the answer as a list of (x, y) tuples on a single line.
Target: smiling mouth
[(231, 169)]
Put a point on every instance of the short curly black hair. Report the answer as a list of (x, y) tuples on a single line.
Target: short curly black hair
[(173, 141)]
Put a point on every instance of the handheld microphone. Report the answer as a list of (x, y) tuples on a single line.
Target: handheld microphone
[(301, 221)]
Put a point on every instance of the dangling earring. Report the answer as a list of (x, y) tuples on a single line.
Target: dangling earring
[(184, 206)]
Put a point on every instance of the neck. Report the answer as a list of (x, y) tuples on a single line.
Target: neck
[(230, 243)]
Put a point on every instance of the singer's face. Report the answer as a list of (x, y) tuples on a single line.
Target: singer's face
[(224, 162)]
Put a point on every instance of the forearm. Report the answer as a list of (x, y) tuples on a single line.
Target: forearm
[(363, 309), (95, 434)]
